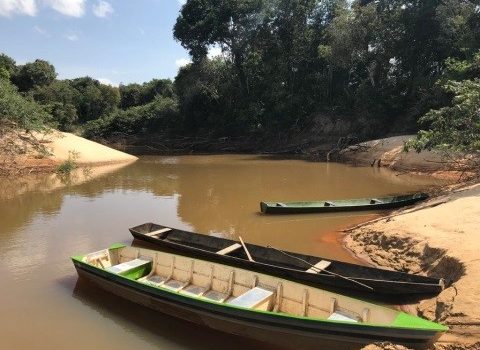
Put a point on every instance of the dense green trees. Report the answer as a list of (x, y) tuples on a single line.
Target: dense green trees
[(386, 66), (380, 63), (34, 74), (20, 111), (136, 94)]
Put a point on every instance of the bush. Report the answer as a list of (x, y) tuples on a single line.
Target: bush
[(161, 115), (22, 111)]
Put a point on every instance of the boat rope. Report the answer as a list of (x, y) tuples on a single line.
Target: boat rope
[(318, 270)]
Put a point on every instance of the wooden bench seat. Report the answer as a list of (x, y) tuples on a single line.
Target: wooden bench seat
[(257, 298), (320, 266), (340, 316), (229, 249), (157, 232), (128, 266)]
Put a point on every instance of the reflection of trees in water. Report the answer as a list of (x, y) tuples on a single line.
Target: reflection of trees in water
[(216, 194), (18, 211), (23, 198)]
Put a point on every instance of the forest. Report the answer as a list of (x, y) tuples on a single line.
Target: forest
[(387, 66)]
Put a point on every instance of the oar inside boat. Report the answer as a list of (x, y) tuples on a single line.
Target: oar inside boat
[(318, 269)]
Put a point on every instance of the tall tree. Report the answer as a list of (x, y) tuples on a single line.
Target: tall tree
[(34, 74)]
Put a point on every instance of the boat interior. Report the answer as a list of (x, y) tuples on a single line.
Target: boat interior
[(225, 247), (232, 286)]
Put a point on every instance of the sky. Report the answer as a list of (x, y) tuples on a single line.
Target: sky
[(114, 41)]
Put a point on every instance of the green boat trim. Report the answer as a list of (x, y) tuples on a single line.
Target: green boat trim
[(401, 321), (335, 205)]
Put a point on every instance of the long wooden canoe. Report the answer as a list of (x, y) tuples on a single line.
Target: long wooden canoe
[(299, 267), (327, 206), (244, 302)]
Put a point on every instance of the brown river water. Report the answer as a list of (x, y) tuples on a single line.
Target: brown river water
[(44, 220)]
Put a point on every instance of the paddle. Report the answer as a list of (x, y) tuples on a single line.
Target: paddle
[(318, 270), (246, 250)]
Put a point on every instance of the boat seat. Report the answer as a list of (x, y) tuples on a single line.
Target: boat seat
[(375, 201), (318, 267), (216, 296), (194, 290), (154, 280), (257, 298), (328, 204), (157, 232), (229, 249), (128, 266), (279, 204), (341, 316), (175, 285)]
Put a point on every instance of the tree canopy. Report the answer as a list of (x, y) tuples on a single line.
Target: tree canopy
[(386, 67)]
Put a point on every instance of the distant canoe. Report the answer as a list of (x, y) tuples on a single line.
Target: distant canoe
[(246, 303), (294, 266), (327, 206)]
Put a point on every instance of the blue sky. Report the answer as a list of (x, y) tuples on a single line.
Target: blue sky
[(115, 41)]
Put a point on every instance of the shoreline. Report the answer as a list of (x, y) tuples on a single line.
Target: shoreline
[(438, 237), (43, 153)]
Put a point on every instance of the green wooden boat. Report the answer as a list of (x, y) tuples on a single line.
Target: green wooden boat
[(245, 302), (328, 206)]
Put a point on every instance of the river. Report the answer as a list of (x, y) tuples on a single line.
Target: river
[(44, 220)]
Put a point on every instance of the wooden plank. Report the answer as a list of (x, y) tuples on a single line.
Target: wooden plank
[(229, 249), (246, 250), (252, 298), (157, 232), (321, 265)]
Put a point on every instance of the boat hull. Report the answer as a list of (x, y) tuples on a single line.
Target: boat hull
[(258, 326), (382, 282), (339, 206)]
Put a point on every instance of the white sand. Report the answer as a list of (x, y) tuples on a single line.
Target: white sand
[(61, 144)]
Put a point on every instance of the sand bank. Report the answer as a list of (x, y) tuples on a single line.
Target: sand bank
[(62, 144), (43, 152), (389, 152), (440, 237)]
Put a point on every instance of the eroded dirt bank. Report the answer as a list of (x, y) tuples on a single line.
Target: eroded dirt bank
[(440, 237), (389, 152)]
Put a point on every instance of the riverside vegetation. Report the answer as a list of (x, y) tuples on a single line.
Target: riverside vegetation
[(378, 67)]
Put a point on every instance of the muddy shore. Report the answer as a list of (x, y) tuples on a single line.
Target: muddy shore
[(439, 237)]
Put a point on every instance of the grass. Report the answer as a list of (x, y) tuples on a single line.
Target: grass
[(66, 167)]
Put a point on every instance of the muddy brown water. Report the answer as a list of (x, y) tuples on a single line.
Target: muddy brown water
[(44, 220)]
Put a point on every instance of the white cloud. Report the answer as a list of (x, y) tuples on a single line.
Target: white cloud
[(20, 7), (181, 62), (214, 51), (40, 30), (73, 8), (107, 81), (102, 9), (71, 37)]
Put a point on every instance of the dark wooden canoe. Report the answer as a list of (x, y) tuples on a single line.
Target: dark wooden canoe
[(271, 261), (327, 206), (247, 303)]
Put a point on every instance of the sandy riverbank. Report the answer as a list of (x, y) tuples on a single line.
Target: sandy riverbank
[(43, 152), (439, 237), (389, 152)]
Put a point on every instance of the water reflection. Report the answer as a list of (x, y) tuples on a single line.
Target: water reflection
[(44, 220)]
